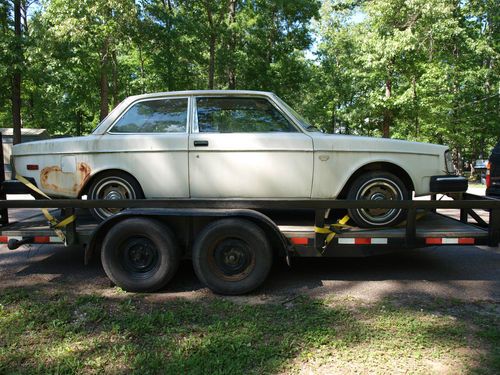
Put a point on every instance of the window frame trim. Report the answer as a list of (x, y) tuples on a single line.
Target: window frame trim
[(286, 115), (118, 118)]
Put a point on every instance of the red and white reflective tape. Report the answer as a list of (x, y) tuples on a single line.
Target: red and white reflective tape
[(362, 241), (299, 240), (449, 241), (36, 239)]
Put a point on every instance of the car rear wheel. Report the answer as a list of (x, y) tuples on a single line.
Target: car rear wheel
[(377, 185), (113, 186)]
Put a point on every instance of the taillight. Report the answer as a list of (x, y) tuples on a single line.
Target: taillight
[(488, 175)]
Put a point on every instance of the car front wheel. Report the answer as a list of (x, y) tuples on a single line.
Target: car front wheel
[(113, 185), (377, 185)]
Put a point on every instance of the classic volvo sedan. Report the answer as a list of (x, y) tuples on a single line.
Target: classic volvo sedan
[(232, 144)]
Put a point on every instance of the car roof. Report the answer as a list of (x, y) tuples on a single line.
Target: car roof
[(201, 93), (104, 125)]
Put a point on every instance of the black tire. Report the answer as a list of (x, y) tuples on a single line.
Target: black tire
[(232, 256), (140, 255), (112, 185), (377, 185)]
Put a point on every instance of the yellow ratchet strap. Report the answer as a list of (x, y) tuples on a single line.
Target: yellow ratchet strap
[(341, 224), (54, 223), (327, 229)]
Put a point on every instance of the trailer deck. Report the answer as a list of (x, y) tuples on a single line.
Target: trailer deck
[(431, 229)]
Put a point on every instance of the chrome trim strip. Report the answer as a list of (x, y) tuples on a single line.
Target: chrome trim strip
[(156, 151), (450, 178), (377, 151), (259, 95), (196, 129)]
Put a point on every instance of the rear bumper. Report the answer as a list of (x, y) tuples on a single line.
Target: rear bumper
[(448, 184)]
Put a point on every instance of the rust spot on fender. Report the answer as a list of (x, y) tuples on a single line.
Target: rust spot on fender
[(56, 181)]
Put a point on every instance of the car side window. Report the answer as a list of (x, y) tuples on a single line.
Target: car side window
[(154, 116), (240, 115)]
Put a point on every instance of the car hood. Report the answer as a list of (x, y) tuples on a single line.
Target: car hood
[(55, 146), (337, 142)]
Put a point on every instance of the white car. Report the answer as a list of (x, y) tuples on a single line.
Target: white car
[(232, 144)]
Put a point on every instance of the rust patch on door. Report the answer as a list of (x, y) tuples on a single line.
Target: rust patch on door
[(54, 179)]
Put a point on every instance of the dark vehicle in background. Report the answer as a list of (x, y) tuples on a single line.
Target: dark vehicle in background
[(493, 173)]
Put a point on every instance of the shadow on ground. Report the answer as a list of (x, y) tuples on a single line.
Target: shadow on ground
[(423, 311), (468, 273)]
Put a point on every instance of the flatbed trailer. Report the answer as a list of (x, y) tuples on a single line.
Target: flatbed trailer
[(233, 242)]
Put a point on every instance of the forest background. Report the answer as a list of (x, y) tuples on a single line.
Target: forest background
[(424, 70)]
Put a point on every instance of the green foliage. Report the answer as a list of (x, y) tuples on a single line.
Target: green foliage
[(424, 70), (439, 58)]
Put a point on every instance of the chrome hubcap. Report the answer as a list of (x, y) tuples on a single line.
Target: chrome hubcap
[(112, 189), (379, 189)]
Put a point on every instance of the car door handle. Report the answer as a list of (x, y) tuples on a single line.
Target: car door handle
[(201, 143)]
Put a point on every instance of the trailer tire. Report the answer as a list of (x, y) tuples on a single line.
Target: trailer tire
[(232, 256), (140, 255)]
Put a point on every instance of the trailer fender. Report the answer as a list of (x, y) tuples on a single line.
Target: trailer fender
[(277, 239)]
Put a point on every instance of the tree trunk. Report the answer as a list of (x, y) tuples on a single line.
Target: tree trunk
[(271, 39), (104, 88), (169, 61), (211, 64), (232, 46), (143, 73), (78, 121), (333, 119), (415, 106), (115, 80), (16, 75), (387, 121)]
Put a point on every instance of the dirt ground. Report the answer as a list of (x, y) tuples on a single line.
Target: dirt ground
[(462, 273)]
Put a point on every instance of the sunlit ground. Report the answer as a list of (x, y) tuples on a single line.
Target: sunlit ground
[(57, 331)]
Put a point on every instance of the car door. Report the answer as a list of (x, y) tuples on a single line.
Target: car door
[(244, 147), (150, 141)]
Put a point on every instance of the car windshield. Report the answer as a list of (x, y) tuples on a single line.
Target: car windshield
[(303, 122)]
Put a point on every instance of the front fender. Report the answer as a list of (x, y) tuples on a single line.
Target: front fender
[(331, 175)]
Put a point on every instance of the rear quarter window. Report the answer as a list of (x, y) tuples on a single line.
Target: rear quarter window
[(154, 116)]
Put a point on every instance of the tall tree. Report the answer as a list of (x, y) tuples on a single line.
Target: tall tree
[(215, 12), (94, 28), (16, 78), (231, 47)]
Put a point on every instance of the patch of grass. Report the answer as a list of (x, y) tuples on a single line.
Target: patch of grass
[(64, 333)]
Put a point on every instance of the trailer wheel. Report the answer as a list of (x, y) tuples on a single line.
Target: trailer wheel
[(140, 255), (377, 186), (232, 256)]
